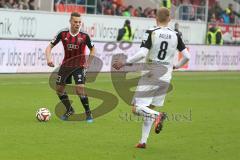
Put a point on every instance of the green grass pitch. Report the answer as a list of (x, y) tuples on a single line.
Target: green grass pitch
[(203, 123)]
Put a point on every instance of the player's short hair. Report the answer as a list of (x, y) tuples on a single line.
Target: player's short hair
[(163, 14), (75, 14)]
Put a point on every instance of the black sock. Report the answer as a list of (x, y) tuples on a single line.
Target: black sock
[(85, 103), (65, 100)]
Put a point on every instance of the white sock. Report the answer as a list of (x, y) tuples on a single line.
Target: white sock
[(146, 128), (147, 112)]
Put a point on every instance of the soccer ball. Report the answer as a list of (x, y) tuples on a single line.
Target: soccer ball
[(43, 114)]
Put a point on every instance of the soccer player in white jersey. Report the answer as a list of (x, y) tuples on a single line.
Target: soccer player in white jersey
[(159, 46)]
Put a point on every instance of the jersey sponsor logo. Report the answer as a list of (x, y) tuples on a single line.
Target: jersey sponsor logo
[(72, 46), (27, 27)]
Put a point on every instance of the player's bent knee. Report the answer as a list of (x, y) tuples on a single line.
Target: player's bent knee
[(60, 89), (80, 90)]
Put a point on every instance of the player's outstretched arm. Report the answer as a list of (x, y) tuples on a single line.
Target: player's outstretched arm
[(48, 55), (118, 64), (184, 60), (142, 53)]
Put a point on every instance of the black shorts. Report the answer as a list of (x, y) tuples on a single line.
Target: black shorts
[(65, 75)]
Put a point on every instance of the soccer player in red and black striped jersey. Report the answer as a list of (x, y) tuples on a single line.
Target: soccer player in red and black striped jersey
[(74, 63)]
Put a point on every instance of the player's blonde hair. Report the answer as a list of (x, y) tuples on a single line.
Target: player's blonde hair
[(163, 15)]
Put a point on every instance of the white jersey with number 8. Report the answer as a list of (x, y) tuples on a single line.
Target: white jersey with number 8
[(162, 43)]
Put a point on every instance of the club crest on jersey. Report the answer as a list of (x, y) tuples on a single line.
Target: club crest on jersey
[(80, 39)]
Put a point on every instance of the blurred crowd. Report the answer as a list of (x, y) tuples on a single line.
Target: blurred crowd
[(71, 1), (218, 14), (187, 10), (117, 7), (17, 4), (193, 10)]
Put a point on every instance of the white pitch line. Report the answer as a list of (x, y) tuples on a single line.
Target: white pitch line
[(109, 80)]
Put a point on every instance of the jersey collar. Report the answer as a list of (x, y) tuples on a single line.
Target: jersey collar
[(73, 34)]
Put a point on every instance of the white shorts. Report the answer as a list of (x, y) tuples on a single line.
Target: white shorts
[(152, 89)]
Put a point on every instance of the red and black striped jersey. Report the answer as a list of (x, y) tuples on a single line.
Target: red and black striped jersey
[(74, 47)]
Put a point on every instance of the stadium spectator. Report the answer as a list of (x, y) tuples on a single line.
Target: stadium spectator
[(106, 4), (119, 10), (20, 5), (146, 11), (2, 3), (152, 13), (131, 10), (108, 11), (225, 18), (17, 4), (9, 3), (231, 13), (166, 3), (114, 8), (139, 12), (213, 18), (31, 5), (126, 33), (128, 12), (217, 10), (214, 35), (23, 4)]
